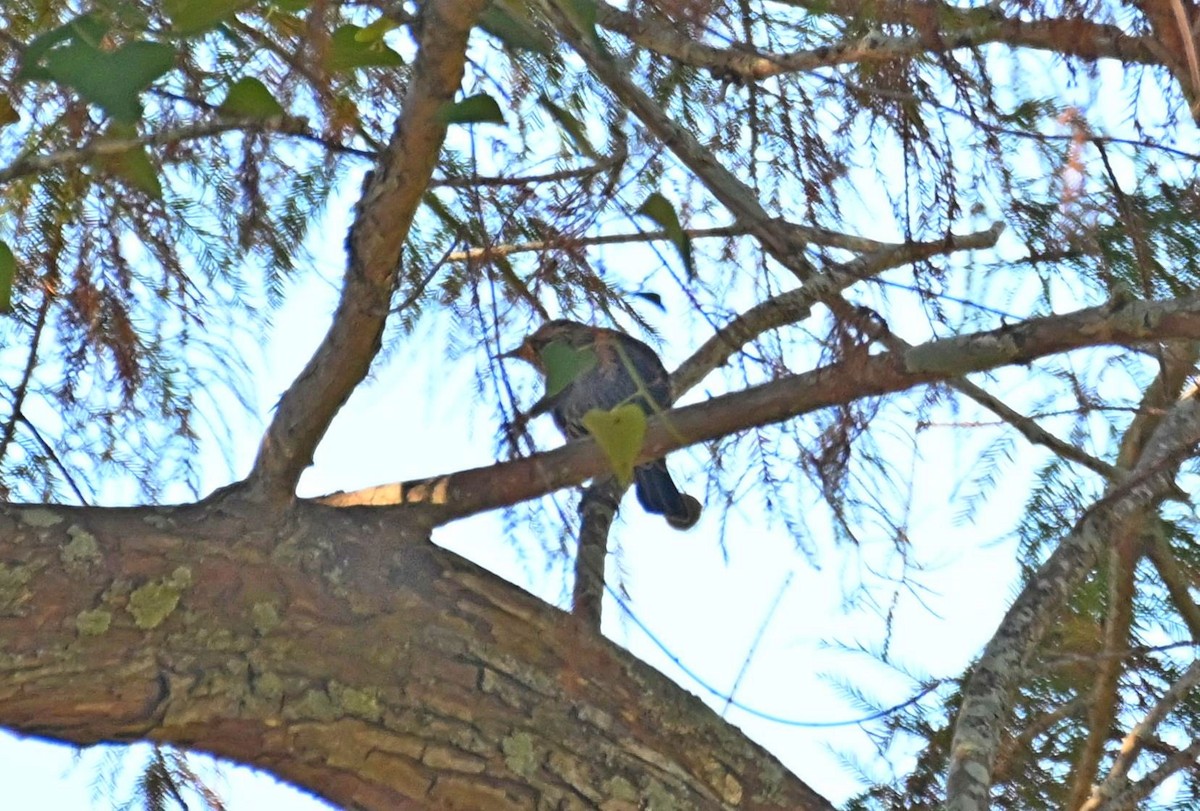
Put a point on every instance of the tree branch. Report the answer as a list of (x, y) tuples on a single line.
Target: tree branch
[(950, 29), (390, 198), (467, 492), (380, 675), (1141, 789), (988, 694), (98, 147), (796, 305), (890, 254), (1125, 551), (783, 241), (1131, 747)]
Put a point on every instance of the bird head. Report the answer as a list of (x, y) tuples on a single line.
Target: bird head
[(560, 330)]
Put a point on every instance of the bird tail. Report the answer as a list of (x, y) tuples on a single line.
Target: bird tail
[(657, 493)]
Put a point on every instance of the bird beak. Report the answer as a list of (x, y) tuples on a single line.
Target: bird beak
[(523, 352)]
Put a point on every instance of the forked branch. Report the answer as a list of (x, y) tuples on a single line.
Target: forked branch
[(390, 198)]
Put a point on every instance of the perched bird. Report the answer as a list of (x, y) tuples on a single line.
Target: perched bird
[(612, 368)]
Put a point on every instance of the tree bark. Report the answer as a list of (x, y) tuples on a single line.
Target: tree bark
[(343, 651)]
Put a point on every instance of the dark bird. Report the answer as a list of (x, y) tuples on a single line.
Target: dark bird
[(611, 368)]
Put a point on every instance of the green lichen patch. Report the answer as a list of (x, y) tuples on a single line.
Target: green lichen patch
[(268, 686), (519, 754), (158, 521), (770, 783), (264, 617), (93, 623), (314, 705), (39, 517), (618, 788), (14, 591), (659, 798), (360, 703), (82, 551), (154, 602)]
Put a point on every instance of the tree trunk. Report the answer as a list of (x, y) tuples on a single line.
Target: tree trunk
[(350, 656)]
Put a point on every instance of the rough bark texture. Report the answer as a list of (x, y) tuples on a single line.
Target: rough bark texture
[(351, 656)]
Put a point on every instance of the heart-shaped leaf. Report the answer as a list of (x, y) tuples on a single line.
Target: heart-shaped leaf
[(111, 80), (85, 28), (619, 433)]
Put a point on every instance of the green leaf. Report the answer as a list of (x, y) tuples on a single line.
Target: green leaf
[(291, 5), (194, 16), (85, 28), (583, 13), (110, 80), (507, 25), (8, 113), (564, 363), (8, 272), (659, 209), (374, 31), (478, 109), (135, 168), (571, 125), (619, 433), (250, 98), (347, 52)]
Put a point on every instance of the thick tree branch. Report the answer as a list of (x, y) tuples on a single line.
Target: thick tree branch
[(597, 508), (1104, 699), (390, 198), (1177, 581), (949, 29), (382, 676), (1141, 789), (1068, 36), (1125, 552), (988, 695), (1176, 41), (468, 492)]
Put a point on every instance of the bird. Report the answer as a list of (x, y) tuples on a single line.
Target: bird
[(612, 368)]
